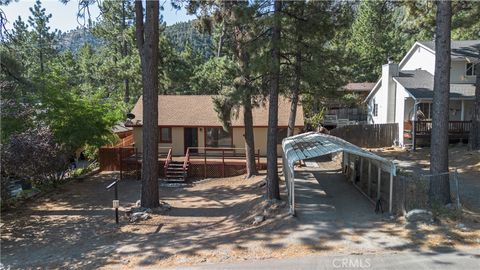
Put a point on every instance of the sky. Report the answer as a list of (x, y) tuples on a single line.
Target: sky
[(64, 17)]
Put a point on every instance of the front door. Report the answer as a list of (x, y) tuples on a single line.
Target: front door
[(190, 136)]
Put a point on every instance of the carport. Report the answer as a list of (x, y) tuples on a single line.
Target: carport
[(311, 145)]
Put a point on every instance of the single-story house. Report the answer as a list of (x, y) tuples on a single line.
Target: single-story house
[(404, 93), (191, 121)]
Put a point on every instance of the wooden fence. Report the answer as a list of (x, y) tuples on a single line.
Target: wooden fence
[(369, 136), (109, 157)]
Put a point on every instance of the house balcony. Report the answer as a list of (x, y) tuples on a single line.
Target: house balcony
[(419, 132)]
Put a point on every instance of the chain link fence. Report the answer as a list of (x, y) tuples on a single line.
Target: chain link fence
[(413, 191)]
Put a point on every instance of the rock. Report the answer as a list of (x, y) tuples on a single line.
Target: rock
[(258, 219), (139, 216), (125, 261), (421, 215), (461, 227), (137, 204)]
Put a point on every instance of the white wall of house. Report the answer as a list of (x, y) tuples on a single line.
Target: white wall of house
[(401, 97), (421, 58), (380, 98), (458, 72)]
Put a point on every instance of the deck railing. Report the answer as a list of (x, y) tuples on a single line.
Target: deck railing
[(167, 161), (215, 153), (454, 127)]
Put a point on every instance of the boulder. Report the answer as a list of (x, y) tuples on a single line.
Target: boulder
[(419, 215), (258, 219)]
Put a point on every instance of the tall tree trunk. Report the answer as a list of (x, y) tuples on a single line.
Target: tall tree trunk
[(298, 75), (295, 93), (474, 139), (439, 184), (147, 42), (249, 138), (126, 98), (273, 191)]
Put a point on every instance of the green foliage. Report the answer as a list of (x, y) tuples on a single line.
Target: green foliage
[(184, 34), (213, 75), (375, 37), (315, 119), (351, 100)]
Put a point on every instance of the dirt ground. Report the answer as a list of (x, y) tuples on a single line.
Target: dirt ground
[(466, 162), (210, 221)]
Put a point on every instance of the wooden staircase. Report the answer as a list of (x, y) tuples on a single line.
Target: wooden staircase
[(175, 171)]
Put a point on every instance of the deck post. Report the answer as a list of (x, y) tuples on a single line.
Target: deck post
[(462, 112), (390, 201), (205, 162), (369, 177), (414, 129), (379, 182), (361, 169), (258, 159), (223, 163), (120, 162)]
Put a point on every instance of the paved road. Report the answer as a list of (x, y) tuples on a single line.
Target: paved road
[(409, 261)]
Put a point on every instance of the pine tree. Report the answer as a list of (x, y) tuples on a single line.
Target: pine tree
[(374, 39), (439, 181), (147, 37), (43, 40), (273, 191)]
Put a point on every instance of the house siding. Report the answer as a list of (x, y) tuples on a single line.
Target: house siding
[(177, 145), (457, 73), (421, 58), (401, 96)]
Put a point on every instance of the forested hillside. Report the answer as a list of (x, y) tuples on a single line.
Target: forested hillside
[(74, 39), (183, 34), (180, 35)]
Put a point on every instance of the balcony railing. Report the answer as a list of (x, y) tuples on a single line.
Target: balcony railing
[(459, 128)]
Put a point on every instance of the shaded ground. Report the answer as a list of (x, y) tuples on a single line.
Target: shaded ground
[(466, 162), (210, 222)]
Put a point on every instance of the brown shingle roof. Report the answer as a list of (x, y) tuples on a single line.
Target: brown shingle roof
[(191, 110), (361, 87)]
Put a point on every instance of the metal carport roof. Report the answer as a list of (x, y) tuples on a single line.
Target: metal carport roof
[(312, 144)]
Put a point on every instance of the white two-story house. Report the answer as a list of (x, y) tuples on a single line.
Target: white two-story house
[(404, 93)]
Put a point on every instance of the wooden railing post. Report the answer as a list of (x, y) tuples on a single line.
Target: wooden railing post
[(223, 162), (258, 158), (205, 162)]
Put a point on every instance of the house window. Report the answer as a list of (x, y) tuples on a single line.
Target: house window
[(375, 109), (471, 69), (165, 135), (217, 137), (281, 134)]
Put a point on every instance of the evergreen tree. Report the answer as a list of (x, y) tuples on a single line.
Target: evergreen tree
[(43, 40), (375, 37)]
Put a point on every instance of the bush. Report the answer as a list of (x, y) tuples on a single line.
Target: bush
[(34, 155)]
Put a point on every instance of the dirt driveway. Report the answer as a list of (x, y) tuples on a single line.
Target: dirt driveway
[(210, 222)]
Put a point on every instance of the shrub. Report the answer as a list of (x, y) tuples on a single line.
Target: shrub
[(34, 155)]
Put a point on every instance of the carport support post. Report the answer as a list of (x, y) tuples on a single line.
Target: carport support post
[(379, 182), (369, 177), (390, 195), (361, 169)]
